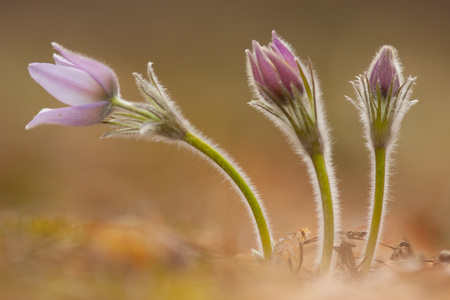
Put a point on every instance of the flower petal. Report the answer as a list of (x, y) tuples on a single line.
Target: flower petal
[(283, 49), (287, 74), (82, 115), (67, 84), (103, 74), (253, 68), (384, 71), (61, 61), (267, 70)]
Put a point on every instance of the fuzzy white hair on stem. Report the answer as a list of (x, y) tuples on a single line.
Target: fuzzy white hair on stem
[(287, 93), (229, 180), (382, 100), (159, 119)]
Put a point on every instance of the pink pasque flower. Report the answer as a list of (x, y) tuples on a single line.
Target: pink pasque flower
[(274, 70), (85, 84)]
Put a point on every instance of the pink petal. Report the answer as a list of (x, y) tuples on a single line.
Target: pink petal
[(82, 115), (384, 71), (61, 61), (103, 74), (67, 84), (280, 47), (253, 68), (286, 73), (269, 74)]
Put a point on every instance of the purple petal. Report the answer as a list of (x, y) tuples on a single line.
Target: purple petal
[(267, 70), (253, 68), (82, 115), (280, 47), (384, 71), (287, 75), (103, 74), (61, 61), (69, 85)]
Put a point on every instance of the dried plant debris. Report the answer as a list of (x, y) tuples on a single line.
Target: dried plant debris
[(288, 251), (346, 258), (402, 251), (289, 254)]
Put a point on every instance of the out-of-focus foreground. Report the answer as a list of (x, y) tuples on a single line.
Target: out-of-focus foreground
[(69, 202), (137, 259)]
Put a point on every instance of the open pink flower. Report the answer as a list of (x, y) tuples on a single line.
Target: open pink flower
[(85, 84)]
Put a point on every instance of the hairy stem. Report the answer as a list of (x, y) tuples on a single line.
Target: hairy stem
[(252, 201), (215, 156), (327, 210), (132, 108), (377, 212)]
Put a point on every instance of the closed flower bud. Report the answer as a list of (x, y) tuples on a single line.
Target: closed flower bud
[(383, 97), (287, 93), (384, 73), (274, 70)]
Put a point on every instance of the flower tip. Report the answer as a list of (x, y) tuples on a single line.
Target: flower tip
[(387, 52), (388, 47), (385, 72), (57, 46), (34, 69), (31, 125), (274, 34), (31, 67)]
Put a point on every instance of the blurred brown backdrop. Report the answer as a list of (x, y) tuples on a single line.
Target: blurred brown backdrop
[(198, 51)]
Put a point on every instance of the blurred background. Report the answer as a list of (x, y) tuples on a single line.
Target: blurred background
[(198, 52)]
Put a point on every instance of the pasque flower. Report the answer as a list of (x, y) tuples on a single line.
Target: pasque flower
[(385, 73), (85, 84), (383, 98), (275, 71), (288, 94), (91, 90)]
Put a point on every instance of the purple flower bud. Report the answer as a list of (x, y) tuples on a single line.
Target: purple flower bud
[(384, 73), (85, 84), (274, 70), (383, 98)]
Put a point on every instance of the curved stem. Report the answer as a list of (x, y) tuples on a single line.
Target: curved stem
[(210, 152), (377, 209), (327, 210), (257, 212)]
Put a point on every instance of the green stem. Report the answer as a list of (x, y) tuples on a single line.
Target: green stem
[(210, 152), (327, 210), (261, 223), (130, 107), (377, 213)]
